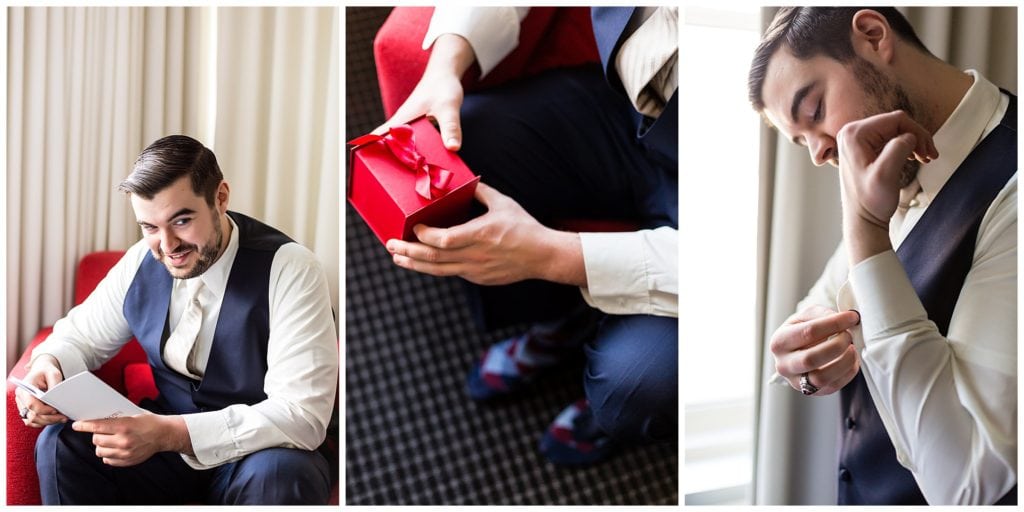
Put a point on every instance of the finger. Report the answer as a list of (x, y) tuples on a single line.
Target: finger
[(802, 335), (39, 407), (816, 357), (434, 269), (487, 194), (422, 252), (94, 426), (455, 237), (53, 377), (810, 313), (895, 152), (924, 144), (104, 452), (840, 372), (447, 117)]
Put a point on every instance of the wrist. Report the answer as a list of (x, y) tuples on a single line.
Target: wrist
[(865, 238), (563, 258), (175, 435), (450, 56)]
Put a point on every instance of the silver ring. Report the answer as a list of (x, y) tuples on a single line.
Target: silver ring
[(806, 387), (23, 413)]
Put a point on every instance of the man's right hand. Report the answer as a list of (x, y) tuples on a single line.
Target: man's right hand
[(439, 92), (817, 341), (44, 374)]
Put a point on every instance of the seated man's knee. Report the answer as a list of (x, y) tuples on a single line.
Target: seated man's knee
[(281, 476), (59, 440), (631, 378)]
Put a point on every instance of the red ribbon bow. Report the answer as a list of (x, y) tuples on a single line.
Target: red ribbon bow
[(401, 141)]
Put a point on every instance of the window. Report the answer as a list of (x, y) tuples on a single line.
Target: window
[(718, 213)]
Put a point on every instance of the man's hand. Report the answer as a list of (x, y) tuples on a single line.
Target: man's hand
[(439, 92), (505, 245), (134, 439), (872, 153), (44, 374), (817, 341)]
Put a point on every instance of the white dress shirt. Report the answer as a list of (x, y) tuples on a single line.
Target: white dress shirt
[(302, 351), (627, 273), (949, 404)]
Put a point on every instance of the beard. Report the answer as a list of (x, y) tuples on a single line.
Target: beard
[(888, 96), (207, 254)]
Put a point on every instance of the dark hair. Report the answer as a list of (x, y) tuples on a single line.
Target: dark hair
[(813, 31), (166, 161)]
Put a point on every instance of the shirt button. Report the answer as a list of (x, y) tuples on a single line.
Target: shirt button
[(850, 423), (844, 475)]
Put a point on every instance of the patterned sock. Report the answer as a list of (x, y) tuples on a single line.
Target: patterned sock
[(574, 439), (509, 365)]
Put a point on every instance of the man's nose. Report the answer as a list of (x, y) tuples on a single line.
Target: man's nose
[(822, 150), (168, 242)]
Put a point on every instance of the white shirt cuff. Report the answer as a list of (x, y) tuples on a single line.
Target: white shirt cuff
[(492, 32), (884, 296), (211, 436)]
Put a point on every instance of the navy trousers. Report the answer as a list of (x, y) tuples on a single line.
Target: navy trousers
[(71, 474), (563, 144)]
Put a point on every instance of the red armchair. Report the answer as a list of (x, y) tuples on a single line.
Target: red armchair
[(549, 37), (128, 372)]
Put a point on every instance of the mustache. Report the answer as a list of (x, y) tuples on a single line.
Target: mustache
[(177, 250)]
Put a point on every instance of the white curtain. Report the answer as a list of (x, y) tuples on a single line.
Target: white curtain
[(796, 447), (277, 137), (89, 88)]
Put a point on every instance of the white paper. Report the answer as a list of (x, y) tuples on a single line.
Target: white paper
[(83, 397)]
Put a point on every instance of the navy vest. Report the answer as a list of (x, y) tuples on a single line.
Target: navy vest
[(661, 136), (238, 357), (937, 255)]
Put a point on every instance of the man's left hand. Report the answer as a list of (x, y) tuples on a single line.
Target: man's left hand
[(132, 440), (505, 245), (872, 153)]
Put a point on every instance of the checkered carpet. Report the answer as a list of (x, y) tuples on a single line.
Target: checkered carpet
[(413, 436)]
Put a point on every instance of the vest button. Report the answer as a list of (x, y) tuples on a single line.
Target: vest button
[(844, 475), (850, 423)]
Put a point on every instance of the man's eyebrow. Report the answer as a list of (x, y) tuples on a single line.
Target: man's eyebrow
[(798, 98), (179, 213)]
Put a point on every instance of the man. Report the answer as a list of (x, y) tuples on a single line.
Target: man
[(236, 321), (914, 319), (568, 143)]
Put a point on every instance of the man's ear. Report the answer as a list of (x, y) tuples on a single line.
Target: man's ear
[(223, 194), (872, 37)]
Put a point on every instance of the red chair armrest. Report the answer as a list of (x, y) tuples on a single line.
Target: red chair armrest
[(549, 37)]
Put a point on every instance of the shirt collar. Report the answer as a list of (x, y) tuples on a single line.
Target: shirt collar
[(961, 132), (215, 279)]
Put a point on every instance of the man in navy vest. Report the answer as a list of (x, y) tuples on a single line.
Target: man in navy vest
[(596, 142), (914, 320), (236, 321)]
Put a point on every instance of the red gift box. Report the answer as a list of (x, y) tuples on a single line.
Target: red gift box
[(407, 177)]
